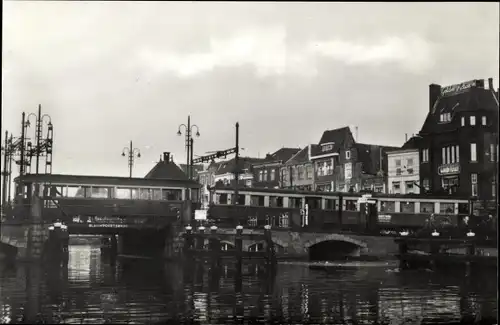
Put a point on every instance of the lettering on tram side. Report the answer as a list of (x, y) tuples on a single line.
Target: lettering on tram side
[(281, 218), (113, 221)]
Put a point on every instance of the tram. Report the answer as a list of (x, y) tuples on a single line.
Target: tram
[(326, 210)]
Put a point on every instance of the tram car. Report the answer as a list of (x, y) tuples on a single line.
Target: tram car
[(328, 210)]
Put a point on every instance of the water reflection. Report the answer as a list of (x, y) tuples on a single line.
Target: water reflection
[(94, 289)]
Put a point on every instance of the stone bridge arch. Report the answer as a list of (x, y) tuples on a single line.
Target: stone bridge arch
[(335, 237), (276, 241)]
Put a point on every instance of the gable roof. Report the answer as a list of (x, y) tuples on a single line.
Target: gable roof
[(166, 170), (301, 156), (474, 99), (339, 138), (243, 163), (280, 156)]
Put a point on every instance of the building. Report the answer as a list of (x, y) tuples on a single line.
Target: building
[(267, 173), (166, 169), (195, 170), (403, 169), (206, 178), (458, 141), (225, 172), (297, 172), (341, 164)]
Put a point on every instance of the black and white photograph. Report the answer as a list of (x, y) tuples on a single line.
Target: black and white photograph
[(227, 162)]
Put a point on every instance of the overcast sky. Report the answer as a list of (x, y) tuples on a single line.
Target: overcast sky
[(112, 72)]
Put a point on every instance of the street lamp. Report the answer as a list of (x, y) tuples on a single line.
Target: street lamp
[(188, 130), (132, 153), (40, 147)]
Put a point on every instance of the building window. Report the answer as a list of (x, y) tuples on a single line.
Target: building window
[(472, 120), (449, 154), (426, 184), (473, 180), (473, 152), (329, 168), (409, 162), (409, 187), (483, 120), (398, 171), (445, 118), (348, 171), (265, 176), (261, 177), (449, 183), (398, 162), (425, 155), (309, 172), (273, 174), (493, 188), (348, 154), (457, 154), (300, 172), (492, 152), (462, 121), (396, 187), (320, 170)]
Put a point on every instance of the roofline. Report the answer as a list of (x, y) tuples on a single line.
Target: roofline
[(325, 155), (402, 151), (295, 155)]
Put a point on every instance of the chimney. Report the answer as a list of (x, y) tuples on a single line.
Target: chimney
[(434, 93), (480, 83), (166, 157), (406, 137), (309, 152), (490, 84)]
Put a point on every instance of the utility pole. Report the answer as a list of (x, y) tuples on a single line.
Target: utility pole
[(236, 162), (38, 136), (188, 130), (5, 172)]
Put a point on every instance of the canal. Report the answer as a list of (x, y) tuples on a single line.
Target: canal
[(93, 290)]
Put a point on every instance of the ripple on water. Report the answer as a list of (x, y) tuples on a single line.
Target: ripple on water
[(91, 291)]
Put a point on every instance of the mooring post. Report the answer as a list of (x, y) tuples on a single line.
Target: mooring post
[(200, 240), (188, 240), (214, 246), (239, 246)]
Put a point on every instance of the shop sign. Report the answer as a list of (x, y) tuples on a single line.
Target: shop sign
[(458, 88), (449, 169)]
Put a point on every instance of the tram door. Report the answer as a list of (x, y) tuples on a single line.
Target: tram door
[(368, 211)]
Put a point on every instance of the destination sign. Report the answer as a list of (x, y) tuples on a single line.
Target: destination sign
[(458, 88), (449, 169), (384, 218)]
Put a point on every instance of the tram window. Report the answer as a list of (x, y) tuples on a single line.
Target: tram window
[(407, 207), (123, 193), (173, 195), (314, 203), (241, 200), (446, 208), (426, 207), (135, 193), (156, 194), (222, 198), (329, 204), (56, 191), (295, 202), (256, 200), (350, 205), (463, 208), (74, 191), (387, 206), (99, 192), (145, 194), (273, 201), (87, 190)]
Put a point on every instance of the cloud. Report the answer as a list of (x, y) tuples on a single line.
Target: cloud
[(267, 51)]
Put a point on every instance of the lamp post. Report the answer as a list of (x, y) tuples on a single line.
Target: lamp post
[(131, 153), (188, 130), (39, 146)]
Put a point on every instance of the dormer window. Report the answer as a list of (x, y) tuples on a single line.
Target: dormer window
[(326, 147), (445, 117), (473, 120), (348, 154)]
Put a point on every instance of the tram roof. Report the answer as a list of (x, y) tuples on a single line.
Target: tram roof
[(336, 194), (105, 180)]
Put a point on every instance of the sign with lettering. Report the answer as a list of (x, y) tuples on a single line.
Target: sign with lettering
[(200, 214), (449, 169), (458, 88), (384, 218)]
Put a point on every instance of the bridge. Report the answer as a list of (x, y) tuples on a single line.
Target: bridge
[(142, 212)]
